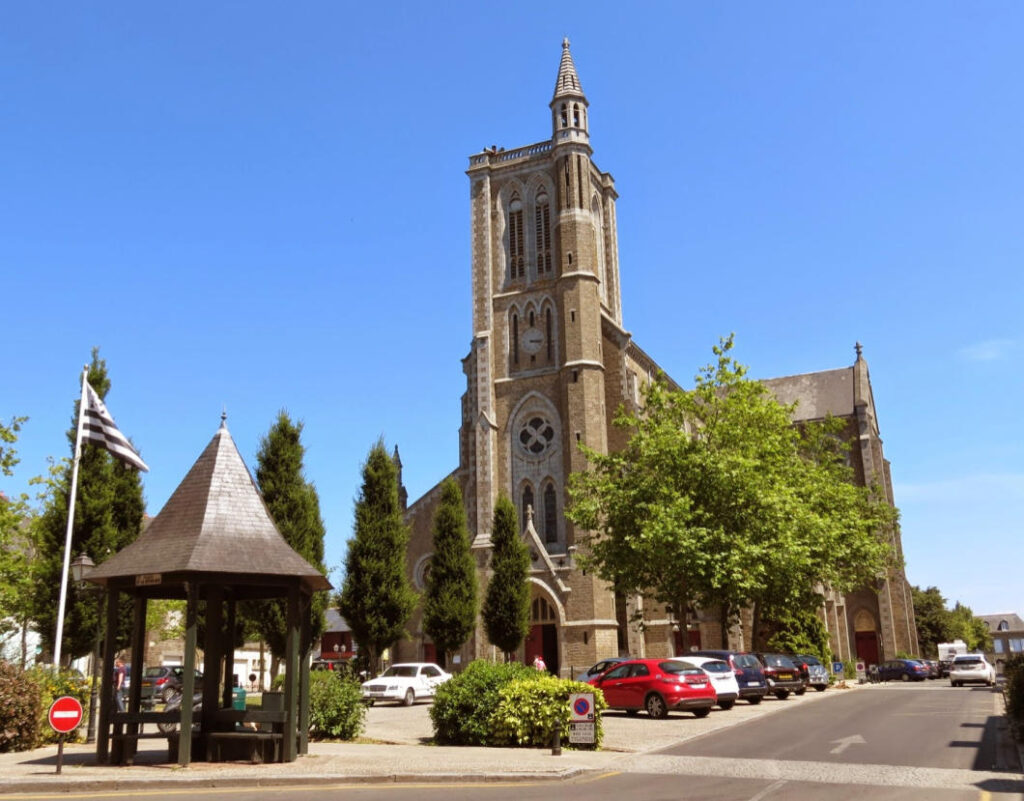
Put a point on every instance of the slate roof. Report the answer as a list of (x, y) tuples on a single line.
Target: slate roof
[(1012, 620), (818, 394), (567, 84), (215, 522), (335, 622)]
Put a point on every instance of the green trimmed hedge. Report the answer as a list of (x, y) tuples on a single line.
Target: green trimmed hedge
[(1013, 671), (505, 704)]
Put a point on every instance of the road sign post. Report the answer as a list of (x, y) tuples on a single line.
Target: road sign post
[(65, 716), (582, 725)]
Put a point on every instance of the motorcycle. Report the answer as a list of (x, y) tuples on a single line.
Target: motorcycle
[(173, 704)]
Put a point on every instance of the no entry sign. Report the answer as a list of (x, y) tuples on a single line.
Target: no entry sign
[(65, 714)]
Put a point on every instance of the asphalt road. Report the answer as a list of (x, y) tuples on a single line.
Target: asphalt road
[(923, 725)]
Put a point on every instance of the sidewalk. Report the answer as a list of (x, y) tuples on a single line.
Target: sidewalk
[(400, 754)]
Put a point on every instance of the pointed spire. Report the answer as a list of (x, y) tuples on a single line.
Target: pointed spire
[(860, 350), (568, 82), (569, 123)]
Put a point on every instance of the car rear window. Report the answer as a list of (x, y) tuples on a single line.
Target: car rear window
[(968, 661), (746, 661), (716, 666), (777, 660), (154, 672), (679, 668)]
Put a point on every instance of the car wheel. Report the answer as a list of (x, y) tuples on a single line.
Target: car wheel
[(702, 713), (801, 691), (754, 700), (821, 687), (655, 706), (725, 704), (782, 695), (410, 697), (904, 677)]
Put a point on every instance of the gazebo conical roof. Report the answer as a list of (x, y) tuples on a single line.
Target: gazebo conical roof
[(215, 523)]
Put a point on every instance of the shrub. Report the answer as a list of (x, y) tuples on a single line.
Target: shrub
[(505, 704), (463, 705), (849, 669), (1013, 671), (531, 709), (20, 709), (336, 708), (52, 685)]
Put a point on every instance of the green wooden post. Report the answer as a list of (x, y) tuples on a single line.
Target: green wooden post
[(107, 682), (138, 658), (213, 649), (229, 655), (291, 685), (188, 681), (306, 608)]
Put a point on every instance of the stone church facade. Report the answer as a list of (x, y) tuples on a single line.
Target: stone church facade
[(550, 362)]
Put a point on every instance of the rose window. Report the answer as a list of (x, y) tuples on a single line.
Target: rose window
[(536, 436)]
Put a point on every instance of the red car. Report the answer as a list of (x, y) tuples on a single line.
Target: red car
[(657, 686)]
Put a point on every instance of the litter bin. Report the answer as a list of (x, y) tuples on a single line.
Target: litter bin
[(238, 698)]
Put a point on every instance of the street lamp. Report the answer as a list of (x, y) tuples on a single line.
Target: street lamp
[(81, 567)]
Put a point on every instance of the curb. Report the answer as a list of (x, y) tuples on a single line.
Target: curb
[(60, 785)]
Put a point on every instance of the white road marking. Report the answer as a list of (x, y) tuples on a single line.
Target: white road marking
[(846, 742), (771, 788)]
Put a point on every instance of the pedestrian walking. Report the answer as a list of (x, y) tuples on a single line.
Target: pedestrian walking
[(120, 676)]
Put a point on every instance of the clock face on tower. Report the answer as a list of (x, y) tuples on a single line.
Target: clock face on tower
[(532, 340)]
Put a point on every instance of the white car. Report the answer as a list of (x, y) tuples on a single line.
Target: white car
[(406, 682), (968, 668), (722, 678)]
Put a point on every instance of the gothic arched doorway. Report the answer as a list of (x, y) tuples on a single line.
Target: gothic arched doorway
[(543, 637), (866, 637)]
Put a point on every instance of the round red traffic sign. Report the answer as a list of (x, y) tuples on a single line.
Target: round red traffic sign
[(65, 714)]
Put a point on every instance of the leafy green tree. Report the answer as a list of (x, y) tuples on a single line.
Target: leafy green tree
[(18, 550), (972, 630), (506, 609), (376, 597), (108, 516), (719, 500), (450, 604), (294, 506), (934, 621)]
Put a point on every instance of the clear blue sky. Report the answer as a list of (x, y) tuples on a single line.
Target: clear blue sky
[(264, 206)]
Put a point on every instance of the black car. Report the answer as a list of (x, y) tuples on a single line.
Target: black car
[(781, 674), (160, 683), (748, 669)]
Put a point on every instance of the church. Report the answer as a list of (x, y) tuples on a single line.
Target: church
[(550, 362)]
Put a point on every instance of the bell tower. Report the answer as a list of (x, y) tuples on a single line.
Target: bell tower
[(546, 322)]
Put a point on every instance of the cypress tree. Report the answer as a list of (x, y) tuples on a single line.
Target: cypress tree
[(294, 506), (506, 610), (449, 609), (108, 516), (376, 598)]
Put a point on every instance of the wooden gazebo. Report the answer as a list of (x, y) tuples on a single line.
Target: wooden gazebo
[(213, 541)]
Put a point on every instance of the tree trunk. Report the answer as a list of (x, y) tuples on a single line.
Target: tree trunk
[(723, 622)]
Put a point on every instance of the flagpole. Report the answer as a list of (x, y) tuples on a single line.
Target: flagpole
[(71, 522)]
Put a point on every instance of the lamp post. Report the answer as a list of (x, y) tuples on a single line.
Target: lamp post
[(81, 567)]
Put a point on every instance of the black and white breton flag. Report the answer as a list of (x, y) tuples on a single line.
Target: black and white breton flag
[(100, 427)]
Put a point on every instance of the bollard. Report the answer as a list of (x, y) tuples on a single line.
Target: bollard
[(556, 743)]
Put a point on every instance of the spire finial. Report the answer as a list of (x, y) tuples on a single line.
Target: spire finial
[(224, 417), (859, 348), (565, 42)]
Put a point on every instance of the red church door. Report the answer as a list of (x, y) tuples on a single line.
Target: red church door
[(867, 647)]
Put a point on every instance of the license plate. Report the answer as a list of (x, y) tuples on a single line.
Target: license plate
[(700, 686), (753, 684), (786, 676)]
